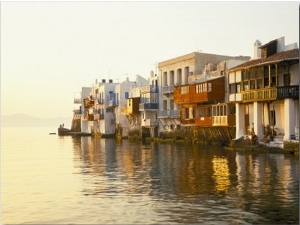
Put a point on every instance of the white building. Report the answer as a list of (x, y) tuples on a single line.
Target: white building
[(266, 91), (148, 107)]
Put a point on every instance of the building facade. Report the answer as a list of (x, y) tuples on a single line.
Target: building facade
[(265, 91), (186, 95)]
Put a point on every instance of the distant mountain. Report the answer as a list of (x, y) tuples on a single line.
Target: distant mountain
[(23, 120)]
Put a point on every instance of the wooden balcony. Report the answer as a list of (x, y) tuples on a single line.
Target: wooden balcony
[(89, 103), (182, 98), (228, 120), (203, 121), (288, 92), (265, 94), (190, 122), (209, 91)]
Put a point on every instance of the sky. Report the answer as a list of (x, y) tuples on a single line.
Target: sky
[(49, 50)]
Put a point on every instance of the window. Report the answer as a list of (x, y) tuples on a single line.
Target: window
[(252, 84), (238, 88), (179, 76), (186, 113), (165, 105), (232, 88), (126, 95), (191, 113), (171, 104), (287, 79), (172, 77), (184, 90), (165, 79), (201, 87), (209, 87), (245, 85), (272, 118), (259, 83)]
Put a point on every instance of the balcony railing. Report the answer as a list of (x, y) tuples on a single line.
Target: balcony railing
[(77, 111), (168, 114), (167, 89), (149, 122), (288, 92), (264, 94), (203, 121), (224, 120), (149, 89), (148, 106), (113, 102), (77, 100)]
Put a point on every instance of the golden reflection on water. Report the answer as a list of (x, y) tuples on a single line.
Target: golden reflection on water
[(221, 174)]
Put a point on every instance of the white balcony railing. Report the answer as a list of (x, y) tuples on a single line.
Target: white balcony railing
[(149, 122)]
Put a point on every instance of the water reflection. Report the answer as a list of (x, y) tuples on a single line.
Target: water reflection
[(190, 183)]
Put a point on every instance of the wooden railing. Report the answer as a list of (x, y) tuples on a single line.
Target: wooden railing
[(228, 120), (264, 94)]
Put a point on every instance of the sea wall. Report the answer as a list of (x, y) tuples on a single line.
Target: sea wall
[(200, 135)]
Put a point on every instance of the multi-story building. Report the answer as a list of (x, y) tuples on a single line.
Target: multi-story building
[(131, 110), (265, 91), (148, 106), (98, 116), (78, 114), (186, 82), (117, 101)]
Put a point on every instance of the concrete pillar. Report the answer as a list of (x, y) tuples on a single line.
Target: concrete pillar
[(152, 132), (257, 119), (240, 123), (84, 126), (289, 122)]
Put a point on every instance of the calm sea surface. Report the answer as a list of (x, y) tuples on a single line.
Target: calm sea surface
[(64, 180)]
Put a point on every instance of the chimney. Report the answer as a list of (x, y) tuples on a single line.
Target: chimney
[(257, 50), (151, 73)]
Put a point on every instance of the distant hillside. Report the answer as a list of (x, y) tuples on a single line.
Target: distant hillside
[(23, 120)]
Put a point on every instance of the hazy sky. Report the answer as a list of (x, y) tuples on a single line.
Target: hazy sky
[(49, 50)]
